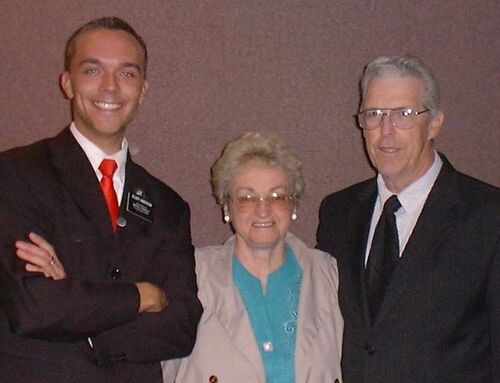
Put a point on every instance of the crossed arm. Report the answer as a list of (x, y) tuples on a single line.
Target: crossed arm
[(41, 257)]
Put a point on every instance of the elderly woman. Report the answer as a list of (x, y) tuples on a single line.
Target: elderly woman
[(270, 303)]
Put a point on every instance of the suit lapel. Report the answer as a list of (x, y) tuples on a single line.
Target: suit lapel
[(232, 313), (134, 182), (437, 218), (78, 178), (312, 316), (309, 317), (358, 227)]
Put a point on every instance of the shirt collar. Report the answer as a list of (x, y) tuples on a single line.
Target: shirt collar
[(415, 194), (96, 154)]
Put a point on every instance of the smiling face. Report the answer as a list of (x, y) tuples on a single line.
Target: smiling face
[(265, 226), (105, 84), (400, 156)]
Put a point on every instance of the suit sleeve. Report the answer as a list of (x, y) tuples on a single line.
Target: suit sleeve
[(170, 333), (494, 310), (38, 307), (324, 233)]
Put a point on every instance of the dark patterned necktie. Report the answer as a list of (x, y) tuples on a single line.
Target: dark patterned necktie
[(384, 255)]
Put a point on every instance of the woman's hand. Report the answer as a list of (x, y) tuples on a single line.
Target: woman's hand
[(40, 257)]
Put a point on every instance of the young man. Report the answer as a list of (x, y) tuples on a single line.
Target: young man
[(118, 289)]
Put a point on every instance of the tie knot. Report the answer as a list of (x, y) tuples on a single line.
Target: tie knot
[(392, 204), (108, 167)]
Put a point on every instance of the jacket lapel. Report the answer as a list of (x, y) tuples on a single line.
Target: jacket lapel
[(134, 183), (311, 315), (78, 178), (309, 322), (358, 227), (435, 222), (232, 313)]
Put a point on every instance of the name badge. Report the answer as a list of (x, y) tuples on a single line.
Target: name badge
[(139, 206)]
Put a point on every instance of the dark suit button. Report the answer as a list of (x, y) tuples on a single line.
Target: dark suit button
[(115, 274), (213, 379), (118, 358), (370, 349)]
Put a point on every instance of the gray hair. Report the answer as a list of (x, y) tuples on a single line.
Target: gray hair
[(402, 66), (265, 147)]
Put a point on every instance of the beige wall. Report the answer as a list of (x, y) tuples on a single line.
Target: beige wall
[(220, 68)]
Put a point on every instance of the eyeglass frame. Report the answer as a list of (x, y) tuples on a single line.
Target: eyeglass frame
[(388, 112), (256, 201)]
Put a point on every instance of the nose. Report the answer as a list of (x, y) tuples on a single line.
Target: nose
[(109, 82), (386, 124), (262, 208)]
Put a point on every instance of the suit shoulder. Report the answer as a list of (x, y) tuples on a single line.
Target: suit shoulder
[(306, 255), (211, 263), (478, 188), (208, 254), (322, 263), (322, 260), (157, 186), (28, 155), (345, 196), (481, 200), (31, 163)]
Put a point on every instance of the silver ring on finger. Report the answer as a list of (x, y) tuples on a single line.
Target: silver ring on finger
[(53, 260)]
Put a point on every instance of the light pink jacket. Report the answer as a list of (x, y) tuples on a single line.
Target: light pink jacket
[(226, 350)]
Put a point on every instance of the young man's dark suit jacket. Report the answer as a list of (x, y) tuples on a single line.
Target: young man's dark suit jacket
[(50, 188), (440, 318)]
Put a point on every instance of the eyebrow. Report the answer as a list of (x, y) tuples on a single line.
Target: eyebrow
[(379, 108), (125, 64), (252, 190)]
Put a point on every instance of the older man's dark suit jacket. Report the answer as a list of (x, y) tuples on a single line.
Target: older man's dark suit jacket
[(50, 188), (440, 318)]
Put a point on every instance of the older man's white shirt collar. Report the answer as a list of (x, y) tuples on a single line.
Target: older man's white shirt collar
[(414, 195)]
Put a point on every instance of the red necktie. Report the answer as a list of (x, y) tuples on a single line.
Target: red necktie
[(107, 168)]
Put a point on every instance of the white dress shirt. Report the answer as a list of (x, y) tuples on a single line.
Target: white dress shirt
[(96, 155), (412, 200)]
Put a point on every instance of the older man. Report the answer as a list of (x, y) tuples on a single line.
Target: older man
[(115, 292), (418, 247)]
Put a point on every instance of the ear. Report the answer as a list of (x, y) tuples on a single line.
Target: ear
[(66, 85), (144, 90), (435, 125)]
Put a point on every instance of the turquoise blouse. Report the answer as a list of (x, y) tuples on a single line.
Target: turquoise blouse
[(273, 315)]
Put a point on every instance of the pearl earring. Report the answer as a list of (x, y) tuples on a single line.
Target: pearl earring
[(226, 218), (294, 216)]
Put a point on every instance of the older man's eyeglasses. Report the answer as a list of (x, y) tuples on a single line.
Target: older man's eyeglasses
[(401, 118), (248, 202)]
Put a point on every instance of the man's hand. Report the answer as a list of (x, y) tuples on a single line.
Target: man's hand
[(153, 299), (40, 257)]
